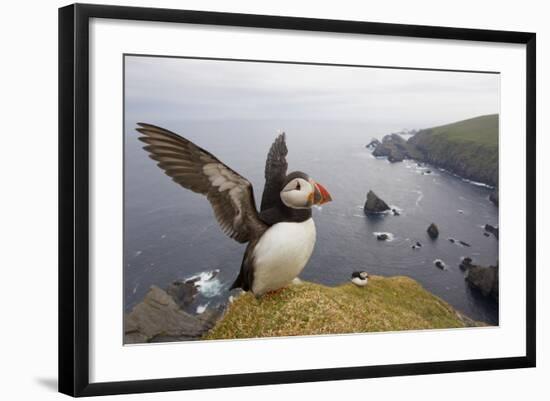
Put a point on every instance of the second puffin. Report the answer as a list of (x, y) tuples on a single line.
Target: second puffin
[(281, 237)]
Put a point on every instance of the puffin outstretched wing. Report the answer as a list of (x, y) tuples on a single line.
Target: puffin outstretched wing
[(275, 173), (194, 168)]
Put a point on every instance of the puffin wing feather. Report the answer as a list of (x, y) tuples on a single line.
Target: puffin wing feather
[(229, 193), (275, 173)]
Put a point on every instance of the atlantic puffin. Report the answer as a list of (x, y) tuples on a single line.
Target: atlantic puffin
[(360, 279), (280, 237)]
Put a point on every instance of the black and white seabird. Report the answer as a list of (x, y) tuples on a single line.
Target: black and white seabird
[(280, 237), (360, 279)]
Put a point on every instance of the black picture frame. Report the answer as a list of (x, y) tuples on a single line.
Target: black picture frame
[(74, 198)]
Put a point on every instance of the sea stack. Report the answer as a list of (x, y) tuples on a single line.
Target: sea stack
[(373, 144), (433, 231), (493, 197), (492, 229), (465, 264), (484, 279), (374, 204)]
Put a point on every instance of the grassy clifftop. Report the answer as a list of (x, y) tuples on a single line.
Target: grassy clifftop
[(385, 304), (482, 130), (468, 148)]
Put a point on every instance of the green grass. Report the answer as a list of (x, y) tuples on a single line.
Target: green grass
[(385, 304), (468, 148), (481, 130)]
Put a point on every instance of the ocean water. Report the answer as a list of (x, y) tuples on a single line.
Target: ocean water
[(170, 233)]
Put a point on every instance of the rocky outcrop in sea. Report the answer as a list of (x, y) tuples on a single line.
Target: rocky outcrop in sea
[(462, 148), (162, 316), (492, 229), (395, 148), (485, 279), (433, 231), (493, 197), (373, 144), (482, 278), (374, 205)]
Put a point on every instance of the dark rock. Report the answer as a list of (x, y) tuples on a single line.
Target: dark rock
[(486, 234), (395, 212), (395, 157), (381, 150), (439, 264), (485, 279), (388, 150), (464, 244), (374, 204), (373, 143), (493, 197), (433, 231), (382, 237), (183, 292), (491, 229), (418, 244), (452, 240), (428, 171), (465, 264), (395, 148), (160, 318)]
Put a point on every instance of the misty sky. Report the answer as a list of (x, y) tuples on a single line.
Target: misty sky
[(173, 89)]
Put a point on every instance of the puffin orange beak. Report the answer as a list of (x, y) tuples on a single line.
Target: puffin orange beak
[(320, 194)]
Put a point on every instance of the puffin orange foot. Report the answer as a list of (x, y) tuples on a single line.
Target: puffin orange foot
[(274, 292)]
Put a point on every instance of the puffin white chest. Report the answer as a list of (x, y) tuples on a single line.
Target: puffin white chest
[(281, 254)]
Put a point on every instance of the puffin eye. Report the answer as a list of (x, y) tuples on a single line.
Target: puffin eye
[(298, 185)]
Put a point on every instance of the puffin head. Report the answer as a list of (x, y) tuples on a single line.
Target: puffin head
[(360, 275), (302, 192)]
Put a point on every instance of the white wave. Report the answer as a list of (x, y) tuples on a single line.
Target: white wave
[(202, 308), (478, 184), (138, 253), (420, 196), (207, 283), (391, 237)]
